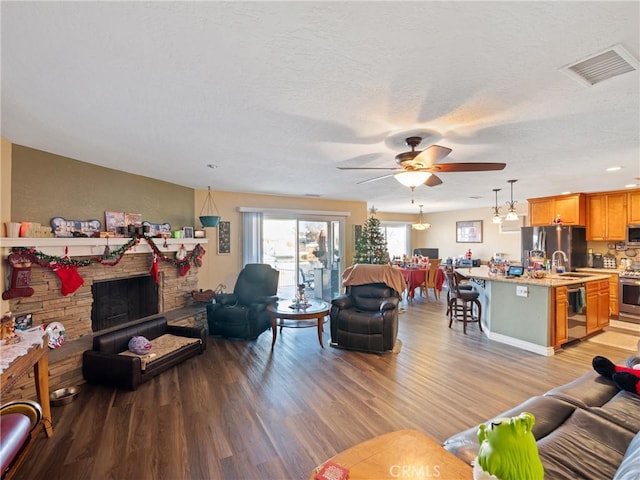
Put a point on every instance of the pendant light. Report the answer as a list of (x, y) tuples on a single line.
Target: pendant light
[(512, 215), (496, 210), (207, 218), (420, 225)]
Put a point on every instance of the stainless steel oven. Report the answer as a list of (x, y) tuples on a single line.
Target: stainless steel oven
[(629, 294)]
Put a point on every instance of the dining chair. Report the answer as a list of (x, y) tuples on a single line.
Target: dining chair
[(430, 280)]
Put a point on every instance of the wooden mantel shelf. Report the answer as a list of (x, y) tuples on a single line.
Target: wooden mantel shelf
[(80, 247)]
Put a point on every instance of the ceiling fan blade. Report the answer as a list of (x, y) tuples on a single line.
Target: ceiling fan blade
[(375, 179), (466, 167), (433, 181), (431, 155), (367, 168)]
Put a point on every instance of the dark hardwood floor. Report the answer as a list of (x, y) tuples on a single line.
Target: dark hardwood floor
[(242, 412)]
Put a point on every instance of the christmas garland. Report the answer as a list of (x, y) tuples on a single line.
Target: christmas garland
[(110, 257)]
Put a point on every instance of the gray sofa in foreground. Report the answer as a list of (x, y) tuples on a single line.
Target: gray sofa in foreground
[(586, 429)]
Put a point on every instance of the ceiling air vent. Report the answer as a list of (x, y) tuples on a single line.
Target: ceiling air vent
[(602, 66)]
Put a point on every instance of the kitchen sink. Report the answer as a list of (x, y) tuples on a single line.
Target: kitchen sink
[(575, 274), (568, 276)]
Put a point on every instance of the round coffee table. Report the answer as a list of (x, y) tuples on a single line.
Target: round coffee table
[(285, 310)]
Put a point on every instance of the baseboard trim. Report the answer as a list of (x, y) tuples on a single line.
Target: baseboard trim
[(515, 342)]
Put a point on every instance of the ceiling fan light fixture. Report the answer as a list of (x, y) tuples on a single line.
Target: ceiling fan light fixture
[(412, 179), (420, 225)]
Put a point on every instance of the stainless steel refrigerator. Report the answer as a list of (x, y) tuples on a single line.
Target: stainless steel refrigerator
[(544, 241)]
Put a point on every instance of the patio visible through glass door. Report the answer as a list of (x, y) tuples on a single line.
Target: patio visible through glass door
[(304, 252)]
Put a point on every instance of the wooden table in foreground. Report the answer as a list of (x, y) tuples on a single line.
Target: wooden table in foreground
[(37, 358), (401, 454)]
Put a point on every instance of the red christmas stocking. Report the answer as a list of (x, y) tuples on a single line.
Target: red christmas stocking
[(70, 279), (183, 268), (155, 274), (20, 277)]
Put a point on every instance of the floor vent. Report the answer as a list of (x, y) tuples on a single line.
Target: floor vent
[(602, 66)]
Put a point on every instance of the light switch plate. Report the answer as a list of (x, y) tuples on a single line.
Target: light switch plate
[(522, 291)]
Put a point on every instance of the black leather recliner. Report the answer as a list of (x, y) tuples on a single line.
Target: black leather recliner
[(243, 314), (365, 318)]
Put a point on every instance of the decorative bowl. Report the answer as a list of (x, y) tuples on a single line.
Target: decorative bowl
[(63, 396), (210, 220)]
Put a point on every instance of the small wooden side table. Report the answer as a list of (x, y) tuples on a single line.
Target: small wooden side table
[(37, 358), (283, 310), (401, 454)]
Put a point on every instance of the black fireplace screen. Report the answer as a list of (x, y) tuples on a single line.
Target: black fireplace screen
[(122, 300)]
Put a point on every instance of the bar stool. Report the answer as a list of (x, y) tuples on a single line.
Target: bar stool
[(450, 287), (460, 302)]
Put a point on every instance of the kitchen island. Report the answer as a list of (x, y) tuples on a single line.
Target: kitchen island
[(533, 314)]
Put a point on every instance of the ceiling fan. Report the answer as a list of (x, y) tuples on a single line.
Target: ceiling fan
[(420, 167)]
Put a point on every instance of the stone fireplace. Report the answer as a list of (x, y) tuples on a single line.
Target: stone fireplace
[(172, 299), (123, 300), (74, 311)]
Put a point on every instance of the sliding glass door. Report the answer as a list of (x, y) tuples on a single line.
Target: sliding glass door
[(304, 251)]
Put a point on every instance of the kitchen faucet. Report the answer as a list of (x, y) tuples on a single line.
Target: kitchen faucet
[(562, 254)]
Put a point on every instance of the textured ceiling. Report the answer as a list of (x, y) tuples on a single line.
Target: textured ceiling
[(279, 94)]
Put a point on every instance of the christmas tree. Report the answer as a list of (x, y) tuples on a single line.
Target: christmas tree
[(371, 246)]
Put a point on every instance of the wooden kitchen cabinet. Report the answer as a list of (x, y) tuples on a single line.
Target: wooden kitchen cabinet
[(560, 329), (571, 208), (614, 282), (597, 299), (633, 207), (607, 216), (540, 211), (604, 303)]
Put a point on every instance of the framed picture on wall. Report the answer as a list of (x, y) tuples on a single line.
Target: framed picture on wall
[(224, 238), (469, 231)]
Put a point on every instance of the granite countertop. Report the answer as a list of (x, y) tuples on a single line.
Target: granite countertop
[(608, 271), (550, 280)]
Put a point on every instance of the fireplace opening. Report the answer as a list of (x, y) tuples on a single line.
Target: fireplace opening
[(123, 300)]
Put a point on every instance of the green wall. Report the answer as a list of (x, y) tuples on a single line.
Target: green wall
[(525, 318), (44, 185)]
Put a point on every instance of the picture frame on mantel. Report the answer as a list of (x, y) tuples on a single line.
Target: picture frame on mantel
[(224, 238), (469, 231)]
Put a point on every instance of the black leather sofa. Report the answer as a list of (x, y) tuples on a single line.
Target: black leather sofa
[(106, 365), (365, 318), (586, 429)]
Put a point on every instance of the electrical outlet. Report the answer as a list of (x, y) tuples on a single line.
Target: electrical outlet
[(522, 291)]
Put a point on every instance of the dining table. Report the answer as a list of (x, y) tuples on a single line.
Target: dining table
[(413, 277)]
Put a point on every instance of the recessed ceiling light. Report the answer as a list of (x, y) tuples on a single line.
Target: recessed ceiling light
[(614, 169)]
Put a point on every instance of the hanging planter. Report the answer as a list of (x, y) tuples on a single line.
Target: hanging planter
[(206, 217)]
